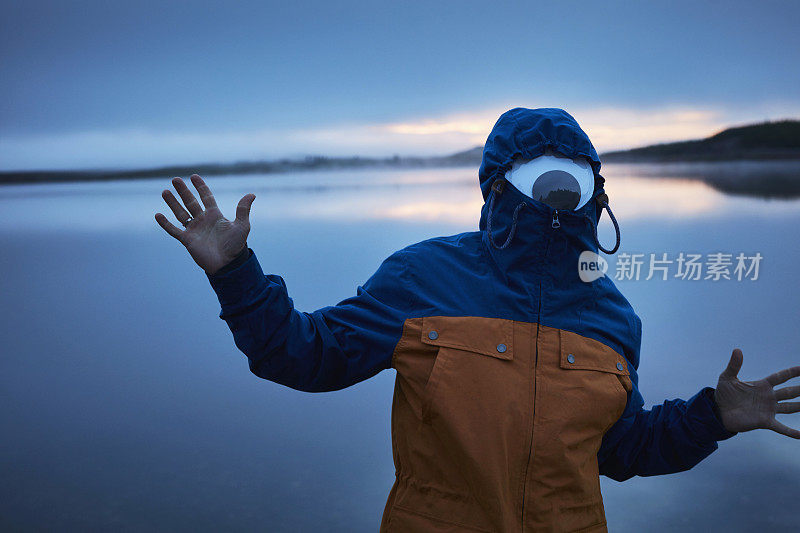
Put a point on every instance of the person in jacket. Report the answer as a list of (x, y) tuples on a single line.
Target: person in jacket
[(516, 382)]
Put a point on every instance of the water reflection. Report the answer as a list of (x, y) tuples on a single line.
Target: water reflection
[(435, 195), (762, 179)]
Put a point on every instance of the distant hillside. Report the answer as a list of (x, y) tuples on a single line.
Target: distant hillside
[(470, 157), (767, 140)]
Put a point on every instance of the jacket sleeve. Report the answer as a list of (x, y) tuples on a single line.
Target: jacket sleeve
[(671, 437), (328, 349)]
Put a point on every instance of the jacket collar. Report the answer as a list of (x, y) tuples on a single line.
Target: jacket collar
[(542, 236)]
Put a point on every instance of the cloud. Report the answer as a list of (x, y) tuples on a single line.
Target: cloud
[(609, 128)]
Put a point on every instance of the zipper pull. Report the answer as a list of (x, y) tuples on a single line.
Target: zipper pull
[(556, 223)]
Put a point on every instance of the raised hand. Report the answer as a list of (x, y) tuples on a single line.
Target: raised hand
[(746, 405), (212, 240)]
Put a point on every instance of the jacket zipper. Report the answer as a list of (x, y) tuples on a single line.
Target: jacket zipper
[(533, 415), (556, 224)]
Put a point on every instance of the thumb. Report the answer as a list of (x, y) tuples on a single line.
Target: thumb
[(243, 209), (734, 365)]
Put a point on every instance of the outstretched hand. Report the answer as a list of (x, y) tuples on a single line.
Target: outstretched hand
[(746, 405), (212, 240)]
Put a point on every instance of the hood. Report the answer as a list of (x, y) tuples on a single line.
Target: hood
[(527, 133)]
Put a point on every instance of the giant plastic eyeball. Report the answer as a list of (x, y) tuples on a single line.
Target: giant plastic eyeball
[(552, 178)]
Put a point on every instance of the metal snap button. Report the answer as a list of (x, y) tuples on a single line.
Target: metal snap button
[(432, 335), (570, 358), (620, 367), (501, 347)]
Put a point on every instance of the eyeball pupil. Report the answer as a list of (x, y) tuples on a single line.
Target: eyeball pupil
[(557, 189)]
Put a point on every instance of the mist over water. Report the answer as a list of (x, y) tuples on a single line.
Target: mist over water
[(126, 404)]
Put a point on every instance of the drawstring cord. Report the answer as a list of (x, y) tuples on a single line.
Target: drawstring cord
[(602, 201), (497, 188)]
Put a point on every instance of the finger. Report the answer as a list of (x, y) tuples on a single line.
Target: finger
[(734, 365), (787, 393), (169, 227), (188, 198), (243, 209), (177, 209), (784, 429), (788, 407), (205, 193), (783, 375)]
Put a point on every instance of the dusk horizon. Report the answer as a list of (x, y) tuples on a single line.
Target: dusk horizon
[(344, 155)]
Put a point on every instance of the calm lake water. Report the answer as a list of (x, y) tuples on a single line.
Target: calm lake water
[(126, 405)]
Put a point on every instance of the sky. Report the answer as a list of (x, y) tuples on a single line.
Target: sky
[(115, 84)]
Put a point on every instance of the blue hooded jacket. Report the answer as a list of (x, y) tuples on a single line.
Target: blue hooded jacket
[(520, 265)]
